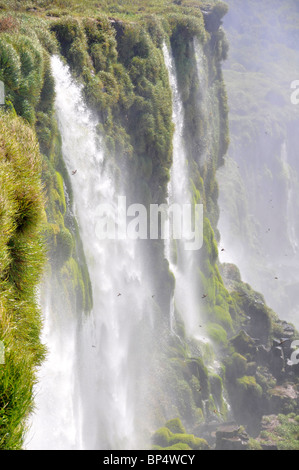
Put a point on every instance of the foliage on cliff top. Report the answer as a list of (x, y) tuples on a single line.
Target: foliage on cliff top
[(122, 8)]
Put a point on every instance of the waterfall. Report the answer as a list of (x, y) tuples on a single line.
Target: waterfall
[(108, 348), (208, 103), (182, 262), (55, 423)]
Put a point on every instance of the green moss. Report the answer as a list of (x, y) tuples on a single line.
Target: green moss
[(62, 202), (195, 443), (164, 438), (253, 444), (235, 366), (217, 334), (249, 384), (243, 343), (200, 371), (222, 316), (216, 385), (64, 246), (175, 426)]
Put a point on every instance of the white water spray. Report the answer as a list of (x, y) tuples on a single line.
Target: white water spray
[(182, 263), (55, 422), (109, 345)]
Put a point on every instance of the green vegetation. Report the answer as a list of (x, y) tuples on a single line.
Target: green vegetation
[(121, 65), (283, 432), (26, 43), (22, 255), (168, 438), (115, 51), (35, 226), (124, 9)]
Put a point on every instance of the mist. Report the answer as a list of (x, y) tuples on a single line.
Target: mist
[(259, 182)]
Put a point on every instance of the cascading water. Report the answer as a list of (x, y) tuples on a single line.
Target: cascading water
[(55, 424), (93, 389), (187, 296), (181, 264), (109, 360), (208, 103)]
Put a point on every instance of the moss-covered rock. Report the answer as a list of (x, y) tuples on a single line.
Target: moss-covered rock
[(174, 425), (163, 438)]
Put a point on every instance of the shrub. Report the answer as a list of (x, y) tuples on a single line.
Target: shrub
[(21, 265)]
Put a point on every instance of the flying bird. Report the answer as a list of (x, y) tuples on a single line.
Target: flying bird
[(74, 172), (204, 296), (119, 295)]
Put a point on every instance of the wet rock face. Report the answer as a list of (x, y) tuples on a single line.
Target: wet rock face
[(260, 380), (277, 361), (260, 323), (244, 344), (212, 20), (231, 436)]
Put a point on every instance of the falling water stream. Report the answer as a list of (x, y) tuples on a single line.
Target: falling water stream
[(182, 262), (107, 349), (91, 392)]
